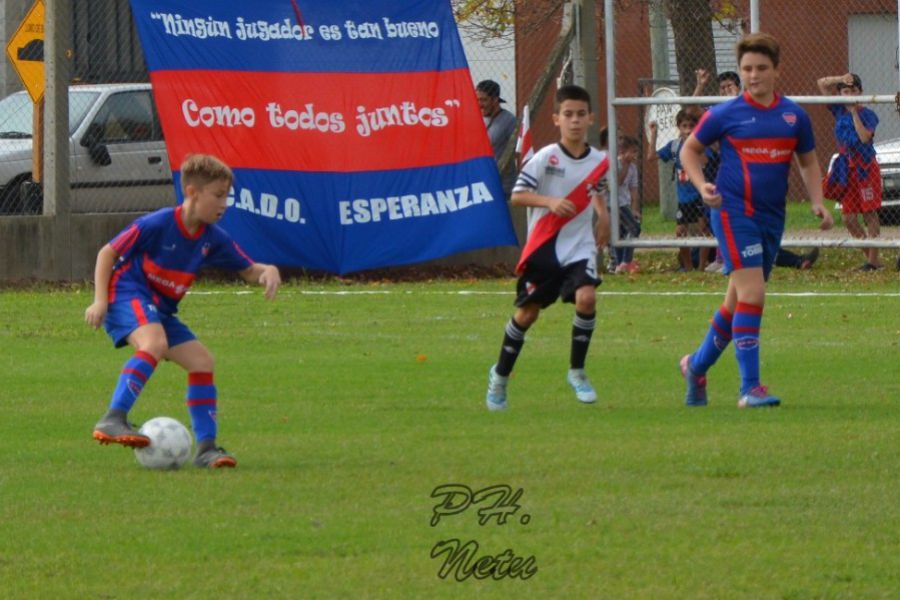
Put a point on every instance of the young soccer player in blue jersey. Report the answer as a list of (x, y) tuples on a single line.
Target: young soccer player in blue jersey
[(142, 275), (560, 186), (758, 133)]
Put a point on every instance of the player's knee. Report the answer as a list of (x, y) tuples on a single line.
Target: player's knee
[(155, 346), (585, 300), (526, 315), (203, 361)]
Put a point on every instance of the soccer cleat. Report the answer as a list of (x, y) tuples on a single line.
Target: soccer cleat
[(110, 430), (214, 457), (584, 391), (496, 391), (758, 397), (809, 259), (696, 384)]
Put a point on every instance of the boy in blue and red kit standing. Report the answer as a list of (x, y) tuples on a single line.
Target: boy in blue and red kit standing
[(758, 133), (142, 275)]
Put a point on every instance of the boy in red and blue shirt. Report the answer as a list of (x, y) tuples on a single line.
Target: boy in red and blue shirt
[(855, 177), (758, 133), (142, 275)]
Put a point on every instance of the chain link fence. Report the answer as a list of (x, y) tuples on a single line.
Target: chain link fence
[(670, 55), (118, 161)]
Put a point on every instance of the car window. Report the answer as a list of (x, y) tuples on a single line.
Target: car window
[(16, 112), (80, 103), (126, 117)]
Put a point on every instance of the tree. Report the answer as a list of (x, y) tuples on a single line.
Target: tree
[(694, 46)]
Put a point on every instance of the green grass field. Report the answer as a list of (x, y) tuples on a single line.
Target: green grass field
[(347, 404)]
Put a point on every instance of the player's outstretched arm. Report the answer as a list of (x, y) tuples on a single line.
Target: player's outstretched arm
[(96, 312), (265, 275), (811, 174), (650, 155)]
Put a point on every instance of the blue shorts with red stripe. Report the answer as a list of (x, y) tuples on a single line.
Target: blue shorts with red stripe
[(127, 314), (746, 242)]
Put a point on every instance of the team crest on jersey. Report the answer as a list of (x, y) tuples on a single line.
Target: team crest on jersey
[(205, 249), (789, 118), (553, 160)]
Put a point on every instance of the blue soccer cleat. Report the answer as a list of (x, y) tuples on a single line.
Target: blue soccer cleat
[(758, 397), (696, 384), (496, 391), (584, 391)]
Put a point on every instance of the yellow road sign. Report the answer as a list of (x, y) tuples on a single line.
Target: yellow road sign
[(26, 51)]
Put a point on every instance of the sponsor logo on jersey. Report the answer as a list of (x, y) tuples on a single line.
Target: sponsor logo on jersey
[(789, 118), (752, 250), (555, 171)]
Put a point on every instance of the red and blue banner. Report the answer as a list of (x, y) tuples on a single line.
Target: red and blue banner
[(352, 127)]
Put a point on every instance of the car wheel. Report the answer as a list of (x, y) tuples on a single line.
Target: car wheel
[(10, 196)]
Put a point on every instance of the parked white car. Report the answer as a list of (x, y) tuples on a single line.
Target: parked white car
[(118, 160)]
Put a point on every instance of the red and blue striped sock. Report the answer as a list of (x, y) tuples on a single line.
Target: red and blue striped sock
[(135, 373), (747, 319), (201, 402), (715, 342)]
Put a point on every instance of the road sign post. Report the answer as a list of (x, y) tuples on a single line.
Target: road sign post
[(26, 52)]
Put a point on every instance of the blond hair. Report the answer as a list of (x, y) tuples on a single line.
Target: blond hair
[(759, 43), (201, 169)]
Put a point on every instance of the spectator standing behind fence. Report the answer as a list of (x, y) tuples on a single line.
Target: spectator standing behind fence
[(758, 133), (500, 124), (690, 218), (730, 85), (854, 178), (628, 203)]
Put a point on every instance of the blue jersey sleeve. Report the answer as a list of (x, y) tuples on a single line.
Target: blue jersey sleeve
[(225, 253), (869, 119), (665, 153), (837, 110), (806, 141), (709, 129), (135, 238)]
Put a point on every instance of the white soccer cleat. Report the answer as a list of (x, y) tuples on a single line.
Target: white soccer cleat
[(584, 391), (495, 398)]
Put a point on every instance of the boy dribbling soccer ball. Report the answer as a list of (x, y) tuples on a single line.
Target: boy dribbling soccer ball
[(140, 278)]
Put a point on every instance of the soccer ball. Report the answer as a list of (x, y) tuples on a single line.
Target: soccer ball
[(170, 444)]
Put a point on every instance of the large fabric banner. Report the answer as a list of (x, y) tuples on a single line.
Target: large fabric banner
[(352, 126)]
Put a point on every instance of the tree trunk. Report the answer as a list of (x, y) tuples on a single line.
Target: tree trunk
[(694, 46)]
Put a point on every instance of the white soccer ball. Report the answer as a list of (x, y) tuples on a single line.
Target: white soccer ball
[(170, 444)]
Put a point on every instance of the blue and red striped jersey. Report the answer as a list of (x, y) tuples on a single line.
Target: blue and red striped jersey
[(158, 256), (756, 145), (847, 138)]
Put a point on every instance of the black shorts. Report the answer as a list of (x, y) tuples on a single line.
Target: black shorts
[(690, 212), (543, 283)]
